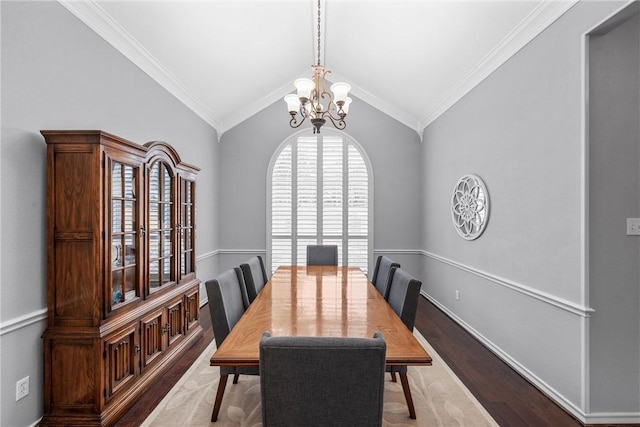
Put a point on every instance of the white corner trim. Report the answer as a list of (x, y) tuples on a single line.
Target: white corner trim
[(390, 110), (558, 302), (533, 24), (96, 18), (243, 113), (23, 321), (522, 370)]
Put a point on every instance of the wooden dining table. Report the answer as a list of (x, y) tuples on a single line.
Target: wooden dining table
[(319, 301)]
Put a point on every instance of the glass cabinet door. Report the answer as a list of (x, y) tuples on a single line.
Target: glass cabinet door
[(160, 226), (124, 233), (186, 228)]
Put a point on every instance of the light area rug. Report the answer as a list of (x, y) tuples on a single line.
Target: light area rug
[(439, 397)]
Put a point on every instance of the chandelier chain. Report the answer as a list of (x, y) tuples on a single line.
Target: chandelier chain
[(318, 32), (313, 101)]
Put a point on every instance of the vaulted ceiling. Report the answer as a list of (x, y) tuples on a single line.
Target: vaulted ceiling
[(228, 59)]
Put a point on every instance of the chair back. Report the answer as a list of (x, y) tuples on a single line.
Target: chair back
[(322, 381), (227, 302), (403, 296), (255, 276), (381, 274), (322, 255)]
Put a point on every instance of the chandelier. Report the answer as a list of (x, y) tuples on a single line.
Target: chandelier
[(312, 100)]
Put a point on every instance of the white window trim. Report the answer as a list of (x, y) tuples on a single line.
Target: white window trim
[(350, 140)]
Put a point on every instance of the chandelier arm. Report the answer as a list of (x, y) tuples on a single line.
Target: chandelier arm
[(333, 108), (294, 122), (338, 123)]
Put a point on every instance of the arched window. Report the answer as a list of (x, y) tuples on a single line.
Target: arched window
[(319, 192)]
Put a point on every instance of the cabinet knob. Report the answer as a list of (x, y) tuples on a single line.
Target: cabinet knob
[(136, 349)]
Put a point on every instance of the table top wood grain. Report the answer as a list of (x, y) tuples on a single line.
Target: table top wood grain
[(319, 301)]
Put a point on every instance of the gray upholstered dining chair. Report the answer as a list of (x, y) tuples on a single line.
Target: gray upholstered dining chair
[(227, 303), (322, 381), (322, 255), (404, 291), (381, 274), (255, 276)]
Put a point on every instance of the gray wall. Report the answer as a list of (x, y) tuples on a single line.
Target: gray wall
[(58, 74), (392, 148), (614, 195), (521, 283)]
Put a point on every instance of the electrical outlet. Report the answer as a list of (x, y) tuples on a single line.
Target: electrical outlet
[(22, 388), (633, 226), (457, 295)]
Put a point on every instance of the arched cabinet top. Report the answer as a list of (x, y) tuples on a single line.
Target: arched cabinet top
[(161, 150)]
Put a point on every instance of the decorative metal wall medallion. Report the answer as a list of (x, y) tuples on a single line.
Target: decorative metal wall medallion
[(470, 207)]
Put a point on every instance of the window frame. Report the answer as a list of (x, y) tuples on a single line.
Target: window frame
[(347, 141)]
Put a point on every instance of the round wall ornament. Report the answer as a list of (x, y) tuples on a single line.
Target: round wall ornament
[(470, 207)]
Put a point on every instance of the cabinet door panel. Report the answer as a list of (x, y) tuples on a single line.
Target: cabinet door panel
[(152, 337), (125, 222), (186, 229), (175, 321), (122, 352), (161, 226), (74, 300), (192, 308), (73, 360)]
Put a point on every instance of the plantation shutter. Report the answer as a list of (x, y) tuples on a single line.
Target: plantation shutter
[(320, 195)]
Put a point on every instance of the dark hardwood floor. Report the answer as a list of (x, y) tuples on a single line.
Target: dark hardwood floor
[(507, 396)]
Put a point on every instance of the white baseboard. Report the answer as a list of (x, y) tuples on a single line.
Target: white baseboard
[(595, 418)]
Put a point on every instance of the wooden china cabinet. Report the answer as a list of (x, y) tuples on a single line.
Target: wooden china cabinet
[(123, 297)]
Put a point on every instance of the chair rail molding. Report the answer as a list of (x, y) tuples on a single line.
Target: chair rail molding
[(206, 255), (555, 301), (399, 251), (23, 321), (240, 251)]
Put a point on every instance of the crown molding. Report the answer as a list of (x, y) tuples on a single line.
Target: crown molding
[(96, 18), (244, 113), (90, 13), (402, 116), (543, 15)]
